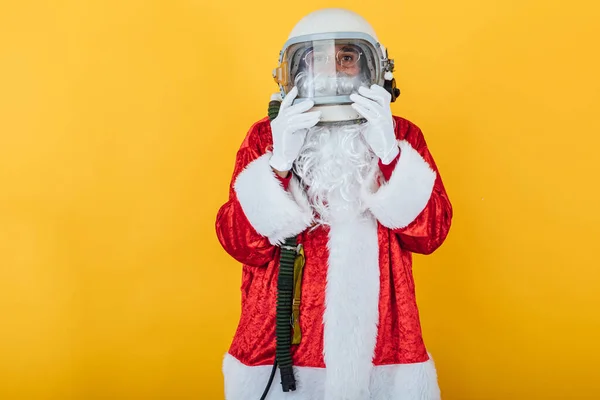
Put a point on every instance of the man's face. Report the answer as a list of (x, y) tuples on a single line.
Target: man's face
[(345, 58)]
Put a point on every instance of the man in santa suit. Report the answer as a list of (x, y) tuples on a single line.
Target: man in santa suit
[(358, 188)]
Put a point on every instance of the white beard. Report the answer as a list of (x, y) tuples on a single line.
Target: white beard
[(333, 165)]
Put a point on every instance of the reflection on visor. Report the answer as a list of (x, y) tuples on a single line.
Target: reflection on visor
[(320, 85), (329, 70), (346, 57)]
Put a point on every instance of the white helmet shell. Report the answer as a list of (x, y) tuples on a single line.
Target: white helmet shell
[(329, 20)]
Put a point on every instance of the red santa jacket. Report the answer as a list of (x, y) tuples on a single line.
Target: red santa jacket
[(358, 310)]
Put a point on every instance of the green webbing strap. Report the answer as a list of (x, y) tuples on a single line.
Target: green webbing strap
[(298, 271), (283, 331)]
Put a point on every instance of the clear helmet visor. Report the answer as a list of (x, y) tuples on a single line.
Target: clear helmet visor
[(329, 71)]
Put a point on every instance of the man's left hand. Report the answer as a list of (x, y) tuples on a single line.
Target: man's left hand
[(374, 105)]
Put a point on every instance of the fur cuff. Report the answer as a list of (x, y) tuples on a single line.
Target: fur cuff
[(272, 211), (399, 202)]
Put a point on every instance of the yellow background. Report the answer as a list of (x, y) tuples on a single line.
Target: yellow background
[(119, 123)]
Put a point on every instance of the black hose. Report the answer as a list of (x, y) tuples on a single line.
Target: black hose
[(264, 396), (285, 297), (274, 106)]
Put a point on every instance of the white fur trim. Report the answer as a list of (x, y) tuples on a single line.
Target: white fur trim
[(399, 202), (388, 76), (352, 306), (388, 382), (272, 211), (406, 382)]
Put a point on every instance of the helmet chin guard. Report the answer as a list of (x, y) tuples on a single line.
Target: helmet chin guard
[(337, 113)]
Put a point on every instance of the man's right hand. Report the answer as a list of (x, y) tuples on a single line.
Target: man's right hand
[(289, 131)]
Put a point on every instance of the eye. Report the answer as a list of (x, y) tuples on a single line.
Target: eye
[(348, 58)]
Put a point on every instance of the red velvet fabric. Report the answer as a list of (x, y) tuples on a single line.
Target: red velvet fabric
[(388, 169), (285, 182)]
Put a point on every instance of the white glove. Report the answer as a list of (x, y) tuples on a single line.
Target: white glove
[(289, 130), (380, 134)]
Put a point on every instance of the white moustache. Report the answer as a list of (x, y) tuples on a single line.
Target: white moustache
[(326, 85)]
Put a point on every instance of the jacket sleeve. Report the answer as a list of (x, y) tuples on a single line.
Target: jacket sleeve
[(413, 202), (260, 213)]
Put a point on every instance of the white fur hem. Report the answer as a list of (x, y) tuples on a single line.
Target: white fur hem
[(388, 382), (274, 212), (352, 307), (399, 202)]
